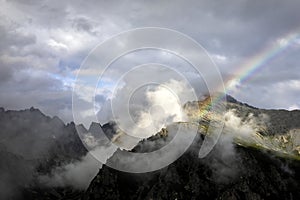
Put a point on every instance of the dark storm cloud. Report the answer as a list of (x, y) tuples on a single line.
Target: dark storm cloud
[(239, 26), (43, 43), (6, 73), (84, 24), (10, 38)]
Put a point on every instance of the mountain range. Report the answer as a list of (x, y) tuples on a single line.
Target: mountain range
[(257, 157)]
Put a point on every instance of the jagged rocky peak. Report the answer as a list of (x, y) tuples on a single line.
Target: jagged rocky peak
[(33, 144), (218, 97), (94, 127), (206, 101), (56, 121), (32, 109), (110, 129), (81, 128), (31, 133), (35, 111)]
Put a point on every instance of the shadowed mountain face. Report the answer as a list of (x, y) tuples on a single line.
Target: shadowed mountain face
[(33, 135), (248, 174), (32, 144), (263, 165)]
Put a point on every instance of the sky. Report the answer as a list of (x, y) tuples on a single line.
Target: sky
[(43, 44)]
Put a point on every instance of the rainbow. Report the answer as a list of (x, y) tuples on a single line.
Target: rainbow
[(255, 63), (263, 57)]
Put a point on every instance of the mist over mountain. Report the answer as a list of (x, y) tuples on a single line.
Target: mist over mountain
[(245, 174), (257, 157), (119, 99), (32, 144)]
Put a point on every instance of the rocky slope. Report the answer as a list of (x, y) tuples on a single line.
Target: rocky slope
[(249, 174), (237, 168), (274, 130)]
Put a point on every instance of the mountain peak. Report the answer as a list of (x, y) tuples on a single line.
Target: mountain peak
[(57, 121), (32, 109), (94, 126)]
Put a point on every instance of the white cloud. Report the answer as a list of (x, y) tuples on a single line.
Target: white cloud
[(219, 58), (294, 107)]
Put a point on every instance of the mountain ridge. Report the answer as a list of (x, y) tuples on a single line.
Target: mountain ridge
[(232, 170), (29, 121)]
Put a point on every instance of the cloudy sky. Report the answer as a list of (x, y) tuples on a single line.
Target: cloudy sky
[(43, 43)]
